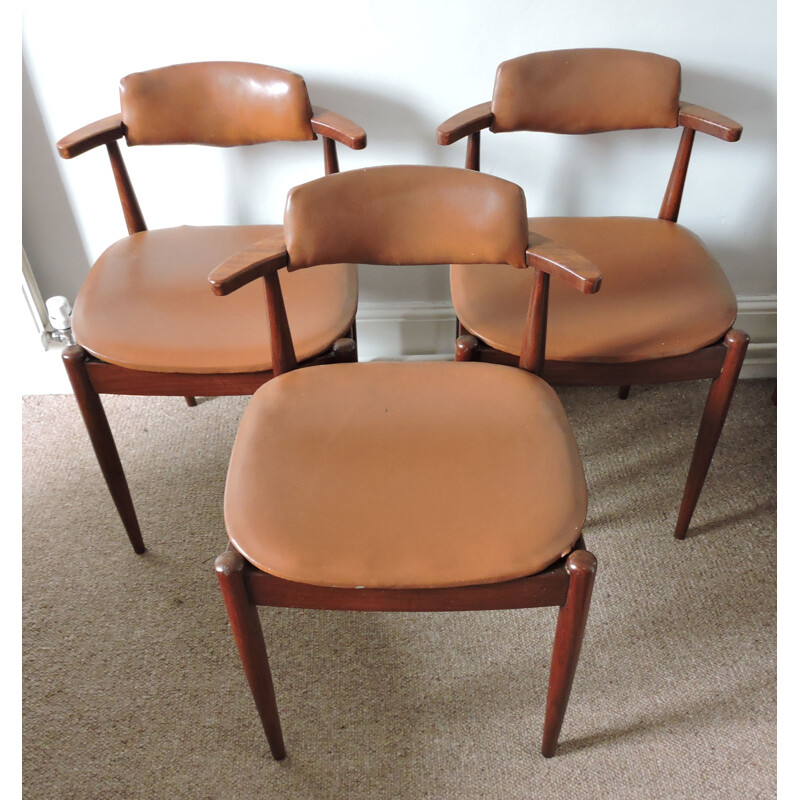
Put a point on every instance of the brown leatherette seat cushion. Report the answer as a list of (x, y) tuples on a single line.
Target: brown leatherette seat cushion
[(147, 304), (663, 294), (221, 103), (586, 91), (404, 475)]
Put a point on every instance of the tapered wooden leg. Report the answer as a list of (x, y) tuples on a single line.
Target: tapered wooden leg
[(716, 409), (190, 401), (249, 637), (466, 345), (94, 417), (582, 567), (623, 392)]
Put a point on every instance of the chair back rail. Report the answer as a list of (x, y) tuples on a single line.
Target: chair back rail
[(406, 215), (590, 90), (402, 215), (586, 91), (217, 103)]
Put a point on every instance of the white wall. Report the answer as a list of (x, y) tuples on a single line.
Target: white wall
[(399, 69)]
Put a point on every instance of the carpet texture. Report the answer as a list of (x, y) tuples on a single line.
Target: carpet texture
[(132, 685)]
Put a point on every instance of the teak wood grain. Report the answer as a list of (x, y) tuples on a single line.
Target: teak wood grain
[(566, 584), (671, 204), (471, 120), (130, 204), (283, 356), (338, 128), (256, 261), (707, 121), (104, 131), (563, 262), (533, 342)]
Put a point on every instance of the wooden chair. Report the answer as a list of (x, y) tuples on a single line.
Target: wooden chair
[(144, 320), (666, 310), (433, 486)]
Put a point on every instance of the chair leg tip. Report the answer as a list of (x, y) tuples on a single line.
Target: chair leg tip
[(681, 529), (137, 543)]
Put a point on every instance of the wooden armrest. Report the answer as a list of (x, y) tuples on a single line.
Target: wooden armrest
[(339, 128), (706, 121), (466, 122), (256, 261), (564, 262), (101, 132)]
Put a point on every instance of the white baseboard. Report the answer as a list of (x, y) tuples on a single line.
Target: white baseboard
[(398, 330), (758, 316), (426, 330)]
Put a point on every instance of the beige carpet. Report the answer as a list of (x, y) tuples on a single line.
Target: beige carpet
[(132, 687)]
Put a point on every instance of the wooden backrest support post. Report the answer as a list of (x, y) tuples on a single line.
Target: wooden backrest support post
[(331, 158), (130, 205), (283, 355), (671, 204), (531, 357), (474, 151)]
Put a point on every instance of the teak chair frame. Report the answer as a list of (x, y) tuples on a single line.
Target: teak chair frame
[(567, 583), (721, 361), (90, 377)]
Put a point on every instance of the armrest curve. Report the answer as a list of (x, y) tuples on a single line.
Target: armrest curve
[(255, 261), (707, 121), (563, 262), (339, 128), (466, 122), (89, 136)]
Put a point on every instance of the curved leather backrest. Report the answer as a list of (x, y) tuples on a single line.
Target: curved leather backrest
[(406, 215), (586, 91), (222, 103)]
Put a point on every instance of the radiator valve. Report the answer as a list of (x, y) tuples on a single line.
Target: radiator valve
[(59, 314)]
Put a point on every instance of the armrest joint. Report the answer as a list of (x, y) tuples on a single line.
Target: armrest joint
[(104, 131), (339, 128), (564, 263), (707, 121), (258, 260), (471, 120)]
